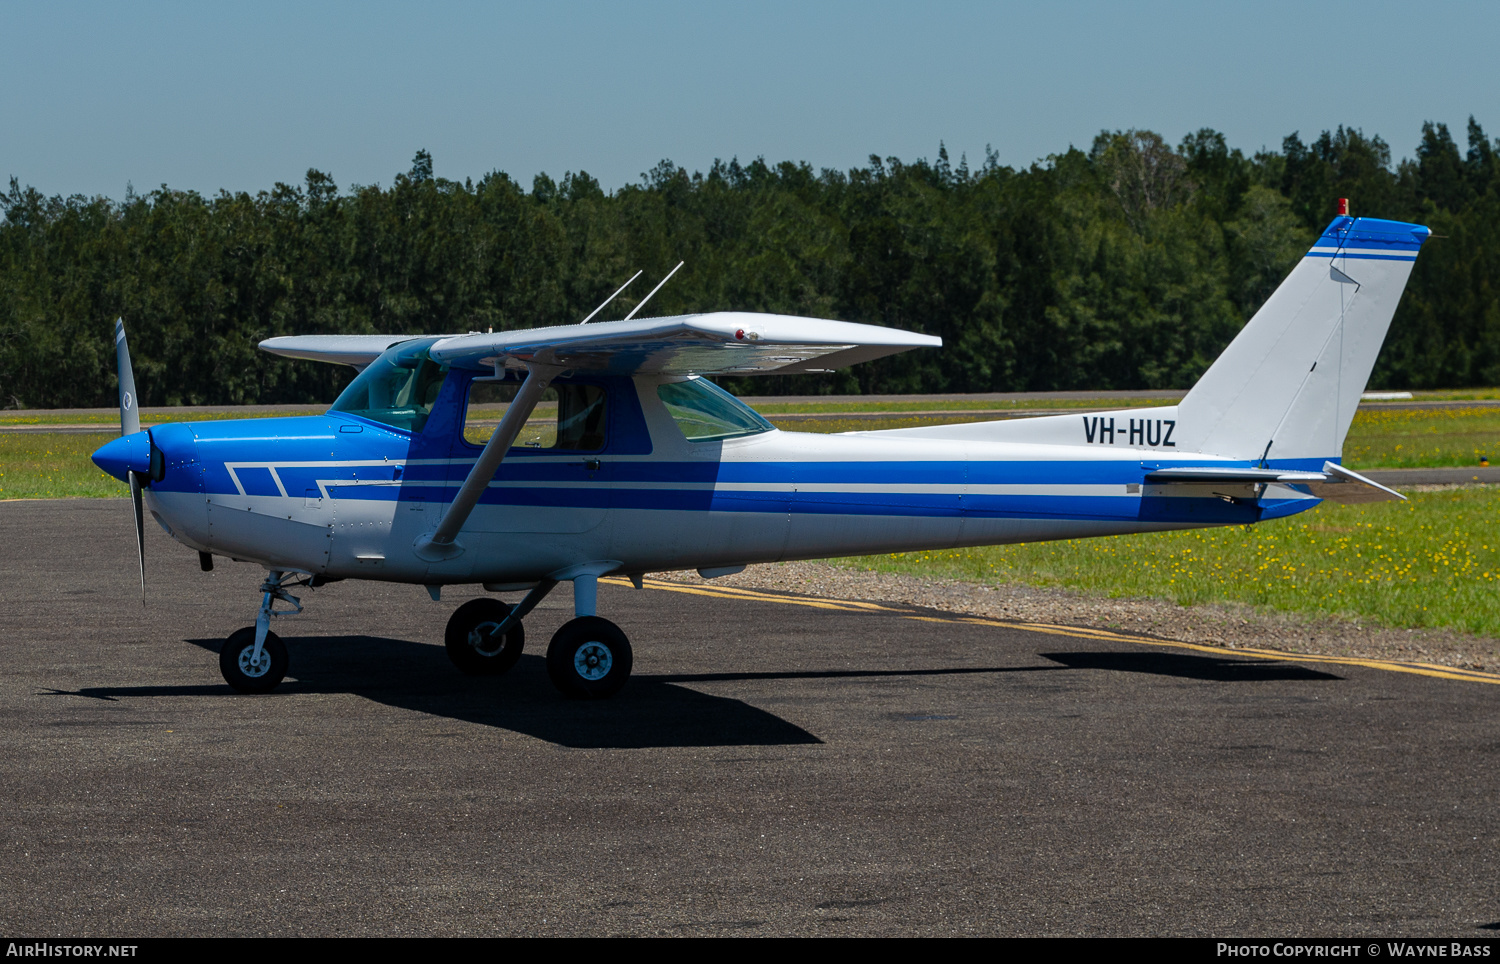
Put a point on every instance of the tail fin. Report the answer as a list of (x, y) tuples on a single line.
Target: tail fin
[(1285, 390), (1287, 387)]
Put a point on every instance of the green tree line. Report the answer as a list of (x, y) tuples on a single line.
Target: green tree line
[(1129, 265)]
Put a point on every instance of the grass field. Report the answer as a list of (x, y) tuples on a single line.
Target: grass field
[(110, 420), (54, 465), (1379, 438), (847, 404), (1422, 438), (1432, 562), (844, 406)]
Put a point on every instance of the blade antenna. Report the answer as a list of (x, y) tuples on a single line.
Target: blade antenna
[(654, 291), (612, 297)]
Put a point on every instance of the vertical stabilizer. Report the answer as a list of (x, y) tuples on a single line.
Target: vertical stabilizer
[(1287, 387)]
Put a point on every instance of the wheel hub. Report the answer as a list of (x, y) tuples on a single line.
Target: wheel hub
[(253, 667), (593, 661), (483, 640)]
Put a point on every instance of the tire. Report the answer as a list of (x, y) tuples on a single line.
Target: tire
[(234, 662), (589, 659), (471, 647)]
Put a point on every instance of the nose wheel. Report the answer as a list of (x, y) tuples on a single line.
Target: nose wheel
[(249, 670), (589, 658)]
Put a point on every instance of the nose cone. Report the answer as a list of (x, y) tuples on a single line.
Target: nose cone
[(125, 454)]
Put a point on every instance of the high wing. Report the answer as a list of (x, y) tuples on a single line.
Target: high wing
[(716, 343), (356, 350)]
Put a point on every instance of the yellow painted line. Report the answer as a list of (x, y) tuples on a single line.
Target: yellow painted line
[(1390, 665), (773, 597), (851, 605), (731, 592)]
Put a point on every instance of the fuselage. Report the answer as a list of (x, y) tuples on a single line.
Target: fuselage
[(344, 496)]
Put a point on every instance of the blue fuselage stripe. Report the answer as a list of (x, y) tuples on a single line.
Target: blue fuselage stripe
[(296, 479), (371, 467)]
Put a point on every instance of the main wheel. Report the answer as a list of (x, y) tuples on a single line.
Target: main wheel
[(247, 674), (589, 658), (471, 642)]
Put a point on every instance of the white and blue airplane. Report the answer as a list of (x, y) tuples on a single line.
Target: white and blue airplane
[(615, 456)]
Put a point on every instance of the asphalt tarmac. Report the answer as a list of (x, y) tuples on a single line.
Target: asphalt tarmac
[(775, 766)]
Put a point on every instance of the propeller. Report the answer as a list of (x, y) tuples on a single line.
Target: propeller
[(130, 415), (130, 424)]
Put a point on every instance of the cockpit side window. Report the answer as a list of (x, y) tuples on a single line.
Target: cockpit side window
[(397, 389), (704, 411), (569, 418)]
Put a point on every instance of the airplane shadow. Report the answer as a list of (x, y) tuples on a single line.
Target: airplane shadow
[(651, 711), (1211, 668), (648, 712)]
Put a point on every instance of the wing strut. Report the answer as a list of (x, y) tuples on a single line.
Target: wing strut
[(440, 544)]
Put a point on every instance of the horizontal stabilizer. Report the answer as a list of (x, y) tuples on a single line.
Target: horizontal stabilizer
[(1203, 474), (1335, 483), (1349, 487)]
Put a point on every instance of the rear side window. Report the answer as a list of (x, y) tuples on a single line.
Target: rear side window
[(569, 418), (704, 411)]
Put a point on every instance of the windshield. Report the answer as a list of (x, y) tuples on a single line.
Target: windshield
[(704, 411), (398, 388)]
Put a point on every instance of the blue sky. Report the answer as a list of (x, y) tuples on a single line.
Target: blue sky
[(209, 96)]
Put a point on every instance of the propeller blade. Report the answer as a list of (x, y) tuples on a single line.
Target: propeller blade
[(130, 414), (140, 527)]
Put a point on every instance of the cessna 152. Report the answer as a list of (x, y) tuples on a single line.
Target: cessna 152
[(630, 462)]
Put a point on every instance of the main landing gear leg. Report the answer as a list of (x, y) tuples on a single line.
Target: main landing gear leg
[(254, 659), (589, 658)]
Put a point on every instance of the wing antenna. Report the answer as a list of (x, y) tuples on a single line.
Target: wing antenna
[(654, 291), (611, 297)]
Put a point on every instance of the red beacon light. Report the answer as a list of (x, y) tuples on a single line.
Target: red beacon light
[(1343, 207)]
